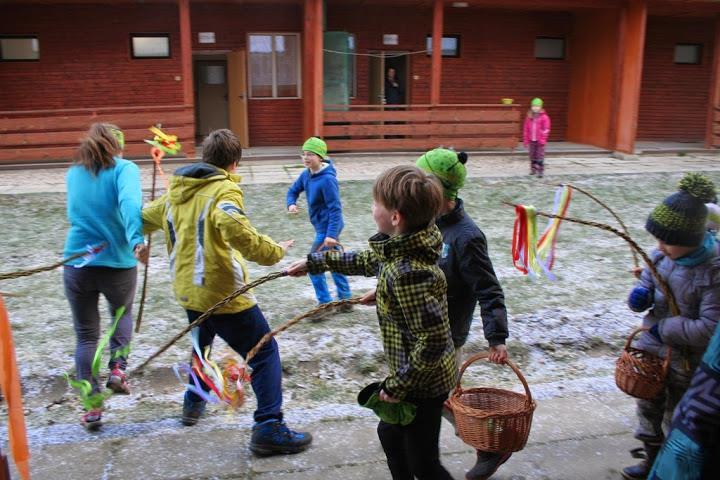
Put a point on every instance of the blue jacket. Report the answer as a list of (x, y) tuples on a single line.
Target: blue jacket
[(323, 198), (105, 208)]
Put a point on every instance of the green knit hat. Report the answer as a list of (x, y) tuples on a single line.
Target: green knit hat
[(682, 217), (448, 167), (536, 102), (316, 146)]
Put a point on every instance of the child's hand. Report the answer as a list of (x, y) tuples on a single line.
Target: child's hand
[(286, 244), (142, 253), (329, 242), (387, 398), (498, 354), (640, 299), (297, 269), (369, 297), (636, 271), (293, 209)]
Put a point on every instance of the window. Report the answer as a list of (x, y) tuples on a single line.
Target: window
[(688, 54), (450, 45), (548, 48), (150, 45), (274, 65), (19, 48), (352, 88)]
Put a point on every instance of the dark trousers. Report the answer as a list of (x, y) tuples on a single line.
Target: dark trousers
[(242, 331), (412, 451), (83, 287), (537, 158)]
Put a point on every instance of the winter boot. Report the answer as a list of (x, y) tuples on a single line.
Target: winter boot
[(642, 469), (117, 381), (487, 463), (192, 411), (92, 420), (273, 437)]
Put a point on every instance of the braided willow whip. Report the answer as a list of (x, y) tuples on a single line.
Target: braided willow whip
[(325, 307), (207, 315), (27, 273), (612, 212), (651, 266)]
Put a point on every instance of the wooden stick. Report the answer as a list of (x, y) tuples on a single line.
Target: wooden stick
[(207, 315), (651, 266), (141, 308)]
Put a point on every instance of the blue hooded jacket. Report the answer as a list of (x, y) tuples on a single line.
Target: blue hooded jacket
[(323, 198)]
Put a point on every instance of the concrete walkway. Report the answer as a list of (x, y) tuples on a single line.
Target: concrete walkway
[(571, 438), (43, 180)]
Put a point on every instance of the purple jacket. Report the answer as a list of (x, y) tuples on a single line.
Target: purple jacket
[(542, 123)]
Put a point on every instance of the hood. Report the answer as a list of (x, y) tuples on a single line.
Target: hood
[(328, 170), (187, 180), (422, 245), (452, 217)]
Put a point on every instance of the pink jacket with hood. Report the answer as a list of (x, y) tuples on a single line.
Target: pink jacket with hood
[(541, 122)]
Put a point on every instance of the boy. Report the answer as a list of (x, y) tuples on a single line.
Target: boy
[(412, 312), (319, 182), (470, 276), (208, 238), (687, 259)]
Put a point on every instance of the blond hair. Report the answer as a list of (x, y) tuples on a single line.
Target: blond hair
[(98, 148), (417, 196)]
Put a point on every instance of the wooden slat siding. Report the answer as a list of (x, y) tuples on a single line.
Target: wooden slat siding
[(132, 135), (13, 155), (500, 115), (419, 143), (438, 129)]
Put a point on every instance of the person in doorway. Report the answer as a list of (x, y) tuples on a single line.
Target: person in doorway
[(536, 131), (319, 182), (687, 258), (104, 200), (394, 92), (208, 237), (470, 277)]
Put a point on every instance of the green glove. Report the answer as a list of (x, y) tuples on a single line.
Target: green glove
[(402, 413)]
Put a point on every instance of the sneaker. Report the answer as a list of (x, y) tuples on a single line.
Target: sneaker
[(273, 437), (117, 381), (486, 465), (192, 411), (92, 420)]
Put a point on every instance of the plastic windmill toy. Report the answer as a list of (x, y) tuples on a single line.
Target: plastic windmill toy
[(163, 141)]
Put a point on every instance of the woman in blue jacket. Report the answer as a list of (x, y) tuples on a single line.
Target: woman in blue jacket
[(104, 202), (319, 182)]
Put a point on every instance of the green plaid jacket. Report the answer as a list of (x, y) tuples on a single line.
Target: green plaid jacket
[(411, 307)]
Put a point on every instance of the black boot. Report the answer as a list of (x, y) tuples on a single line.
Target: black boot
[(487, 463), (642, 469)]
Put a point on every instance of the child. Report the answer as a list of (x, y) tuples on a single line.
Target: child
[(208, 238), (412, 311), (104, 200), (319, 182), (687, 259), (535, 135), (470, 277)]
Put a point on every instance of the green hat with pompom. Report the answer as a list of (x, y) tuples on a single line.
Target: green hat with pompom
[(316, 146), (682, 217), (536, 102), (448, 167)]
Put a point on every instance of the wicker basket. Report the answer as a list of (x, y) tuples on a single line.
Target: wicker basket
[(491, 419), (641, 374)]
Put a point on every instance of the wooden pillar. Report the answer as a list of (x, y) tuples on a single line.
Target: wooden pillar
[(437, 34), (312, 74), (633, 18), (186, 52), (712, 138)]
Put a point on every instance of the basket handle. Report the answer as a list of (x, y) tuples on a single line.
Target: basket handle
[(666, 363), (485, 355)]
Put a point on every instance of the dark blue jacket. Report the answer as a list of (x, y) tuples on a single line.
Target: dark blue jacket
[(323, 198), (471, 279)]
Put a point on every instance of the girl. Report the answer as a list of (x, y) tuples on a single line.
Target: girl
[(535, 135)]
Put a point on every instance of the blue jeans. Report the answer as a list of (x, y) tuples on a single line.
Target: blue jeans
[(320, 284), (242, 331)]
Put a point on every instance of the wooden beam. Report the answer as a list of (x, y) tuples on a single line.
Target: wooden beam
[(633, 19), (418, 129), (186, 51), (494, 115), (312, 73), (437, 33), (710, 137), (421, 143)]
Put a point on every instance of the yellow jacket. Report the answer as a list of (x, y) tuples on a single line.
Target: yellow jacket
[(208, 237)]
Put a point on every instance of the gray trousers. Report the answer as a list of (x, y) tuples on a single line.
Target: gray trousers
[(83, 287)]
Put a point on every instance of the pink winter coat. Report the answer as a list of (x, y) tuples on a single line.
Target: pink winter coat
[(541, 123)]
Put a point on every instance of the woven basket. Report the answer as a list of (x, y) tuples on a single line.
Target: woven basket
[(491, 419), (641, 374)]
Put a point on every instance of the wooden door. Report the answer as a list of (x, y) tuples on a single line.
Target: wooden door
[(237, 95)]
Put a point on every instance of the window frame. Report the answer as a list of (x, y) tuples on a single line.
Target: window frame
[(353, 79), (274, 96), (29, 36), (151, 35), (547, 37), (700, 53), (455, 36)]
